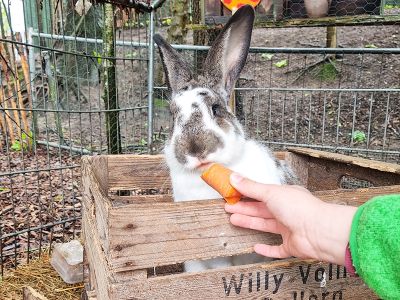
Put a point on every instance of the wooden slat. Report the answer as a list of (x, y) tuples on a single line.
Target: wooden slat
[(299, 165), (124, 200), (95, 200), (99, 166), (356, 161), (320, 170), (129, 171), (289, 279), (137, 172), (149, 235), (356, 197), (98, 260), (31, 294), (96, 256)]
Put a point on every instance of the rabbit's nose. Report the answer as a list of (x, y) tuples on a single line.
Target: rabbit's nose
[(196, 147)]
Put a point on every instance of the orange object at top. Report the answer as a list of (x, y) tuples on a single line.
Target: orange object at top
[(234, 5), (217, 176)]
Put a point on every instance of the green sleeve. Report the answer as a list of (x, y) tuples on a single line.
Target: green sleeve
[(375, 245)]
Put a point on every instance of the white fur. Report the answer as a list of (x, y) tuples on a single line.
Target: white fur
[(249, 158), (243, 156)]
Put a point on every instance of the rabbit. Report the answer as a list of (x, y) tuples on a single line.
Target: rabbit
[(205, 130)]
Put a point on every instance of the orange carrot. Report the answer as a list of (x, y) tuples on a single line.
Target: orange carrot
[(217, 176)]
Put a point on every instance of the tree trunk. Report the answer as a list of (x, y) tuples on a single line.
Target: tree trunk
[(177, 31), (109, 83)]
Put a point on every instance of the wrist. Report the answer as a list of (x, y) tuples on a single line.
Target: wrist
[(333, 233)]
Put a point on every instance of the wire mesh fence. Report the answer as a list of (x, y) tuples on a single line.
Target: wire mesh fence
[(55, 107)]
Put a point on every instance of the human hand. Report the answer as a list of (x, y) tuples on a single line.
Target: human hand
[(310, 228)]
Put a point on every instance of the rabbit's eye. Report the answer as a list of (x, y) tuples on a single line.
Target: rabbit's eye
[(216, 109)]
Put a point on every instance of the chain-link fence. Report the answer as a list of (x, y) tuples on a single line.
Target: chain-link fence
[(67, 91)]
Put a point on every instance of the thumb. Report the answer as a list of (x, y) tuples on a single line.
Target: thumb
[(252, 189)]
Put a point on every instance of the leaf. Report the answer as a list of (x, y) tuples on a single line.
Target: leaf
[(98, 57), (282, 63), (359, 136), (143, 142), (167, 21), (160, 103), (370, 46), (133, 54), (267, 56), (16, 146)]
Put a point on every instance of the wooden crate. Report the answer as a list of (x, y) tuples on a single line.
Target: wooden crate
[(127, 236)]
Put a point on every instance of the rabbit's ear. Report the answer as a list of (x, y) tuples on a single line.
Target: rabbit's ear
[(228, 53), (176, 69)]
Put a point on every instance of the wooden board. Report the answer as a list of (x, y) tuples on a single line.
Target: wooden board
[(126, 235), (285, 279), (154, 234), (352, 160), (138, 172), (325, 170), (31, 294)]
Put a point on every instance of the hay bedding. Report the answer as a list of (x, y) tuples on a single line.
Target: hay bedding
[(40, 275)]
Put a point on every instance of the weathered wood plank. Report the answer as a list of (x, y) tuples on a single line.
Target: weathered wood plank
[(286, 279), (148, 235), (96, 201), (355, 161), (98, 261), (326, 170), (299, 165), (96, 257), (30, 293), (99, 166), (138, 172), (137, 199), (130, 171)]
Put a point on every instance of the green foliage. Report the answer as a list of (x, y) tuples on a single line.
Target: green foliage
[(359, 136), (281, 64), (132, 54), (27, 141), (267, 56), (326, 71), (160, 103), (370, 46), (98, 57), (391, 6), (4, 18), (16, 146), (143, 142), (166, 22)]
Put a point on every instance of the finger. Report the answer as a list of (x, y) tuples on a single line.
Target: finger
[(255, 223), (249, 208), (271, 251), (252, 189)]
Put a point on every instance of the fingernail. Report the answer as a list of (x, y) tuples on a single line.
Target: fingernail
[(235, 178)]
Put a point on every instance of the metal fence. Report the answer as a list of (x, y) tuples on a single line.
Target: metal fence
[(54, 107)]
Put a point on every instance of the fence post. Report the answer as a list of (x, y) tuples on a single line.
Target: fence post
[(32, 76), (150, 82), (50, 71), (109, 82)]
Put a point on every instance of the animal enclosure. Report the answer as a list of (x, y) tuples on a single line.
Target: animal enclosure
[(295, 90), (134, 242)]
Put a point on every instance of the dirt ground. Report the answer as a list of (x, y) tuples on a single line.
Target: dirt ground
[(293, 117)]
